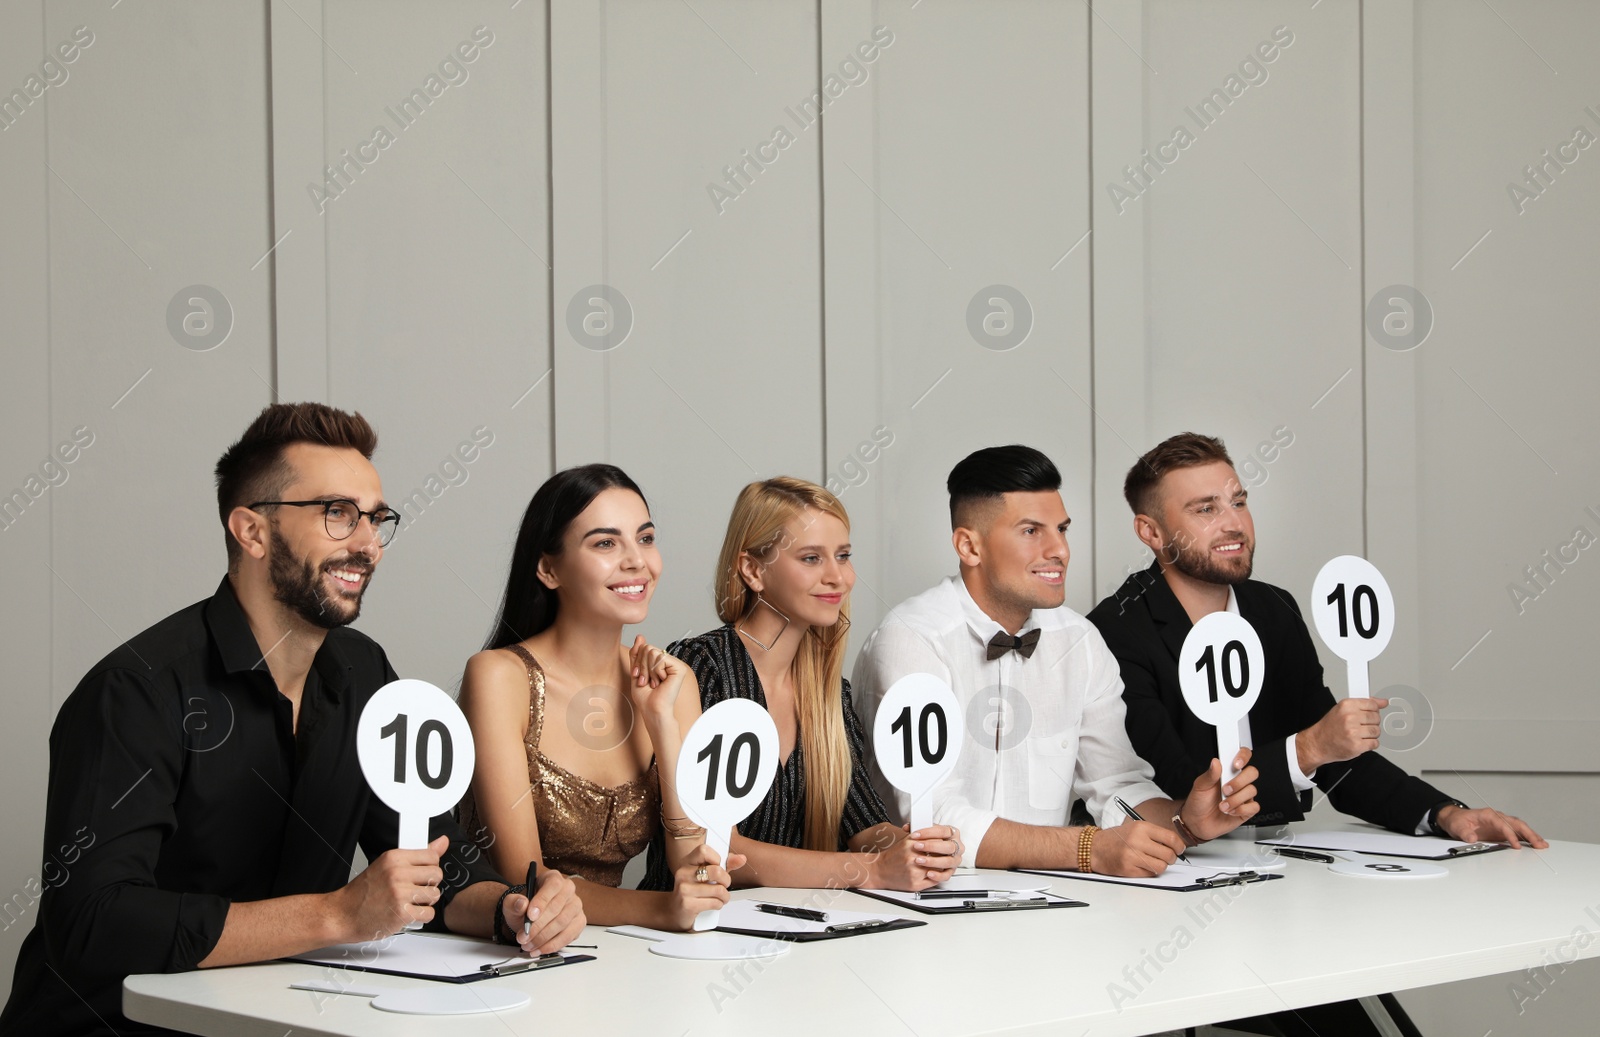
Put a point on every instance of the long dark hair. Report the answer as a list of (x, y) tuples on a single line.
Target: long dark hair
[(529, 607)]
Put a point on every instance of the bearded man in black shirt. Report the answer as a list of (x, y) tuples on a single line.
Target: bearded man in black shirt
[(204, 774)]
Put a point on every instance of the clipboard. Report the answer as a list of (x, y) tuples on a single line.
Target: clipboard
[(973, 903), (1384, 844), (742, 918), (1182, 878), (422, 956)]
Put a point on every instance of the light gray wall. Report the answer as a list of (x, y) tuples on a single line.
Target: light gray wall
[(824, 312), (940, 182), (438, 300), (141, 172), (30, 435), (719, 380)]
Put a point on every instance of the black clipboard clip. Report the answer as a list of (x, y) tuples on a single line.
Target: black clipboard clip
[(1462, 851), (511, 967), (1008, 905), (1218, 881), (861, 926)]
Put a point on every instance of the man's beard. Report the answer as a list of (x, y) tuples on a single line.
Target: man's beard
[(297, 585), (1200, 565)]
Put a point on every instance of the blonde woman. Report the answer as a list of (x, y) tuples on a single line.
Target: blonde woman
[(565, 776), (783, 586)]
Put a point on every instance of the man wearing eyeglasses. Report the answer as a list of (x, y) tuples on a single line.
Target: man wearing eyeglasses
[(205, 799)]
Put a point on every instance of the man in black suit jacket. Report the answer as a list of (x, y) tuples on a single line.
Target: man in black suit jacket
[(1191, 510), (1145, 625)]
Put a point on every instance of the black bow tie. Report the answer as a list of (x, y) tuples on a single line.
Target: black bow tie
[(1003, 642)]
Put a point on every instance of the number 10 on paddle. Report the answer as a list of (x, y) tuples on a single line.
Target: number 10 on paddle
[(417, 754), (1220, 670), (917, 735), (725, 767), (1354, 613)]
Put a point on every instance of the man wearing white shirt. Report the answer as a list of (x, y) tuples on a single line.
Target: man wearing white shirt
[(1044, 690)]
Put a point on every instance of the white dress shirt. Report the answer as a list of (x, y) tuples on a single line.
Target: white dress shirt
[(1041, 731)]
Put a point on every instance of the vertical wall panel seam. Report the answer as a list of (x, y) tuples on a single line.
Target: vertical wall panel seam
[(1361, 208), (602, 11), (272, 218), (822, 267), (1094, 457), (49, 365), (327, 265), (550, 216)]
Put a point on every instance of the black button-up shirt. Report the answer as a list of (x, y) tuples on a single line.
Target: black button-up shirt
[(179, 784)]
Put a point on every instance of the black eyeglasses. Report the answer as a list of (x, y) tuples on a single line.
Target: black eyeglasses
[(341, 517)]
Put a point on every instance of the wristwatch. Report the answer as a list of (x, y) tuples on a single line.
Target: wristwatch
[(1433, 815)]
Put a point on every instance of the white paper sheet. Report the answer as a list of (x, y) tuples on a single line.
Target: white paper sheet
[(1008, 880), (954, 902), (1177, 876), (743, 914), (417, 954), (1233, 858)]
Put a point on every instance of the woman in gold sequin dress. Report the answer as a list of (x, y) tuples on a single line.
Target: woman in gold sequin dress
[(578, 734)]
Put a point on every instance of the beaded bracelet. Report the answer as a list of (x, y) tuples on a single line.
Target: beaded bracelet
[(1085, 842), (502, 931)]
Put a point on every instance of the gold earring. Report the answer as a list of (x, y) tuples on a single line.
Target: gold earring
[(835, 633), (780, 615)]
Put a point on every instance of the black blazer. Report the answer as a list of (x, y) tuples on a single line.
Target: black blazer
[(1144, 624)]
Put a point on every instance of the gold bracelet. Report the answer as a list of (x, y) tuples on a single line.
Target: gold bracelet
[(1085, 843), (681, 832)]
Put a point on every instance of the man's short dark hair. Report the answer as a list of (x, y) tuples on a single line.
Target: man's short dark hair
[(992, 472), (254, 468), (1185, 450)]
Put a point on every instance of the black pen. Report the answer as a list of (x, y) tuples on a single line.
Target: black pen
[(793, 912), (1303, 855), (957, 894), (1122, 805), (533, 873)]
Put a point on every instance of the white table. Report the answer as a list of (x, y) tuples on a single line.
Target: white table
[(1309, 938)]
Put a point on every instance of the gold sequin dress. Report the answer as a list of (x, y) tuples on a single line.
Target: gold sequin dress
[(585, 828)]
